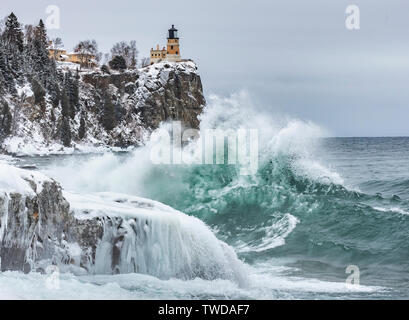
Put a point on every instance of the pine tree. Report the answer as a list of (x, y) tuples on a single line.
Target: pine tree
[(12, 41), (117, 63), (54, 92), (75, 92), (24, 61), (5, 120), (71, 86), (3, 87), (65, 104), (41, 34), (105, 69), (66, 132), (3, 72), (82, 129), (108, 116), (39, 64), (65, 122), (12, 34), (52, 115)]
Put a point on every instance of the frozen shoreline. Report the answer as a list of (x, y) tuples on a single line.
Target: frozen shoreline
[(103, 233)]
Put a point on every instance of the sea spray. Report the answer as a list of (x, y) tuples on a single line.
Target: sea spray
[(135, 173), (230, 202), (292, 221)]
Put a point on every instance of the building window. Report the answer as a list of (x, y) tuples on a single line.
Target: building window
[(171, 47), (177, 52)]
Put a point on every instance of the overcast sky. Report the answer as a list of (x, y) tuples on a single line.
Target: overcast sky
[(293, 56)]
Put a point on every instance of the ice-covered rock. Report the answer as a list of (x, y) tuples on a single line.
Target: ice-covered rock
[(103, 233), (141, 99), (33, 218)]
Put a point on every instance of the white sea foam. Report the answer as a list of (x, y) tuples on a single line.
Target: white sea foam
[(276, 278), (392, 209), (275, 235), (266, 282), (279, 136)]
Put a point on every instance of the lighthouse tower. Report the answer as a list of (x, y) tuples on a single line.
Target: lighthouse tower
[(173, 50)]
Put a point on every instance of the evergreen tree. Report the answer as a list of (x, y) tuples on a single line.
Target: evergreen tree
[(23, 60), (3, 87), (38, 62), (12, 42), (66, 132), (108, 116), (65, 105), (12, 35), (52, 115), (71, 86), (41, 34), (65, 122), (3, 72), (75, 90), (55, 94), (82, 129), (5, 120), (105, 69), (118, 63)]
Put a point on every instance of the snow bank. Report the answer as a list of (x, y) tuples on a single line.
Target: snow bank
[(21, 181)]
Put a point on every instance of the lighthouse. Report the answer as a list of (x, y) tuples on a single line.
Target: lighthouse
[(173, 50)]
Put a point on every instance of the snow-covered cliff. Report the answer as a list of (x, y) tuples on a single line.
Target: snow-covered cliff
[(106, 110)]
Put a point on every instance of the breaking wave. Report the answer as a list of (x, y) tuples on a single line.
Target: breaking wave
[(293, 207), (256, 210)]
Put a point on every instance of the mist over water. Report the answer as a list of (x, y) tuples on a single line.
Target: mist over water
[(314, 207), (278, 137)]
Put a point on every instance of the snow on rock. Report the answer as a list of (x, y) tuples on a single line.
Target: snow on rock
[(25, 91), (169, 90), (103, 233), (142, 99), (24, 146), (24, 182)]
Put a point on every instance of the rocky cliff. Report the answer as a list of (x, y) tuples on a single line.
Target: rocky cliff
[(108, 110)]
